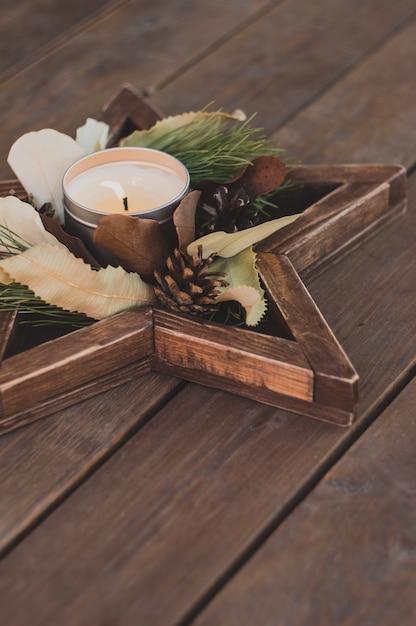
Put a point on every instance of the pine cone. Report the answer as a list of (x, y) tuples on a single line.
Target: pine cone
[(229, 212), (187, 285)]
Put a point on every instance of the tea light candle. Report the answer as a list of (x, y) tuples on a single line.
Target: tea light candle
[(141, 182)]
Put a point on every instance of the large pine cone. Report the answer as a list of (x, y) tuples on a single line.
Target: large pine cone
[(187, 284), (229, 212)]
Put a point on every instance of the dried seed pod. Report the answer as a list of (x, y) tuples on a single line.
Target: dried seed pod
[(228, 211)]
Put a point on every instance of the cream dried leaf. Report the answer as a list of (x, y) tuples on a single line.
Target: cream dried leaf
[(146, 138), (229, 244), (22, 220), (59, 278)]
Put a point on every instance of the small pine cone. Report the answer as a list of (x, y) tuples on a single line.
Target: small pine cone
[(228, 212), (187, 285)]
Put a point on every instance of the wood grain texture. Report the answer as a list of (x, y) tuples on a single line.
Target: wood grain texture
[(351, 203), (140, 43), (169, 517), (280, 64), (86, 389), (12, 187), (209, 461), (244, 357), (322, 412), (357, 127), (350, 546), (164, 516), (368, 304), (335, 224), (47, 371), (23, 40), (335, 380), (127, 111), (41, 464)]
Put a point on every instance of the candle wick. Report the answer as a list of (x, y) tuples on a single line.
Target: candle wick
[(126, 204)]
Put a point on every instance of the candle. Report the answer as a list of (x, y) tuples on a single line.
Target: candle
[(125, 187), (141, 182)]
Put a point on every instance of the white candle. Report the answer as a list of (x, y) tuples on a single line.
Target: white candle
[(128, 187), (133, 181)]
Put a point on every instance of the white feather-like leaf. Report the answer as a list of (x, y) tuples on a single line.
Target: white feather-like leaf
[(59, 278), (40, 159)]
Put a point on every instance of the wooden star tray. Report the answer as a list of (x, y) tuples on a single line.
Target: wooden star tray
[(295, 363)]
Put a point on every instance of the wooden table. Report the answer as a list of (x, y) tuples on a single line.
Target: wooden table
[(162, 502)]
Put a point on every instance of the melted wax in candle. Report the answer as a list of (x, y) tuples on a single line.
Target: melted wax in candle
[(103, 188)]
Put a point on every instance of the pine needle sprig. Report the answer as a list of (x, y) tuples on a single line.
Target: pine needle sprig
[(213, 149), (11, 243), (37, 312), (18, 297)]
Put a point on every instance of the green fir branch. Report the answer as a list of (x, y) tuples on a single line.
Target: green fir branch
[(17, 297), (11, 243), (211, 148)]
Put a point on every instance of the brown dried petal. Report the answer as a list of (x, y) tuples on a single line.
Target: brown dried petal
[(138, 244), (264, 175), (184, 219), (74, 244)]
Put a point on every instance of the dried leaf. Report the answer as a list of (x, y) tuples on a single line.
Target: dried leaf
[(74, 244), (93, 135), (138, 244), (59, 278), (264, 175), (229, 244), (21, 218), (184, 219), (244, 284), (40, 159), (145, 138)]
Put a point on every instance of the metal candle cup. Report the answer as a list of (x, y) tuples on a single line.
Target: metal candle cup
[(139, 182)]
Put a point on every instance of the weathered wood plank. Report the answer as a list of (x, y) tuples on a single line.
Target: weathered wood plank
[(242, 357), (335, 224), (335, 380), (210, 460), (352, 294), (278, 65), (341, 125), (139, 43), (41, 464), (212, 473), (146, 517), (30, 29), (32, 378), (349, 548)]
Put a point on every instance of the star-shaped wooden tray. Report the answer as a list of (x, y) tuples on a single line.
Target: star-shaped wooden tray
[(299, 365)]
